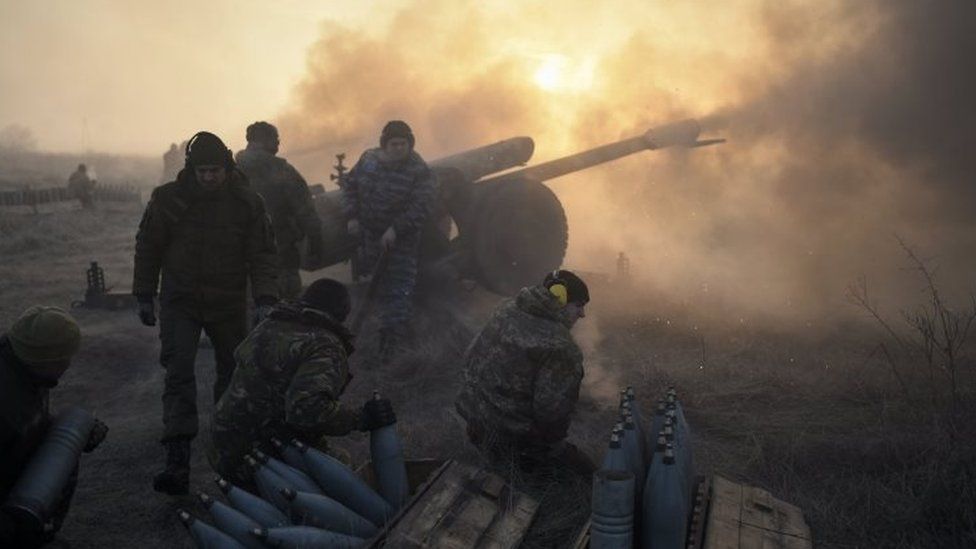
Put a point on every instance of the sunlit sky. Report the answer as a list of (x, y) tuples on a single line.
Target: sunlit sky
[(119, 76), (126, 76)]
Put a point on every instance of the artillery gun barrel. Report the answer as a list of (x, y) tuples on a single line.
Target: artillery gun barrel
[(477, 163), (680, 134)]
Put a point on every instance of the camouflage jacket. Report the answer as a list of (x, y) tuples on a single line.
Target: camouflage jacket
[(382, 194), (205, 245), (290, 373), (287, 199), (522, 372)]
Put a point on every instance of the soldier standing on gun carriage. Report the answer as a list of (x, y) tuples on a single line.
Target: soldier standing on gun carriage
[(206, 235), (521, 378), (34, 355), (288, 201), (387, 197)]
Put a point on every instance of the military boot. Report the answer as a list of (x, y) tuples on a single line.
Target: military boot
[(175, 479)]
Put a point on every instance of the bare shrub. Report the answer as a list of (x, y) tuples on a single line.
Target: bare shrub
[(928, 360)]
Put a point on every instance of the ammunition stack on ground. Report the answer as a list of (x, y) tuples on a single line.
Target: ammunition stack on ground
[(643, 492), (306, 498)]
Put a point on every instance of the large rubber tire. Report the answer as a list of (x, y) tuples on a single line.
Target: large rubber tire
[(519, 234)]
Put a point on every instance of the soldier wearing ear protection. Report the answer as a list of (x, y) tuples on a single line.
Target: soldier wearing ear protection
[(205, 235), (522, 376)]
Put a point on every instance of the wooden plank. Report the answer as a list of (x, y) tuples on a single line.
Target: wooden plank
[(511, 525), (762, 510), (722, 524), (465, 526), (416, 525)]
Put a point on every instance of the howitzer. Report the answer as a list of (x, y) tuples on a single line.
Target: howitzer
[(510, 227)]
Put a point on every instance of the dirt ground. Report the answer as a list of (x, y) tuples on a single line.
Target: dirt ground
[(810, 415)]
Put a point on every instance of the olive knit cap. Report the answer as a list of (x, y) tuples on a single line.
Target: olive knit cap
[(44, 334)]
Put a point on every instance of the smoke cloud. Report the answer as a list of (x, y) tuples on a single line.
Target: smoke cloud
[(847, 123)]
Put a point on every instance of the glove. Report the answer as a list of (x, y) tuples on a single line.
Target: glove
[(377, 412), (147, 313), (97, 435)]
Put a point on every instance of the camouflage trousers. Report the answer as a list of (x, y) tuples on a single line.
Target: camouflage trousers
[(179, 334), (395, 293)]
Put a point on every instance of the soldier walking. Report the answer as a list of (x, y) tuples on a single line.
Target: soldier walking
[(288, 201), (82, 187), (291, 372), (206, 235), (521, 377), (387, 197)]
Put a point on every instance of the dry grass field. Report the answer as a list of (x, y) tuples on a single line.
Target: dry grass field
[(872, 443)]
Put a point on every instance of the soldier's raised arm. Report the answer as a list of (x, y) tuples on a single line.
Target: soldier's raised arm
[(262, 256)]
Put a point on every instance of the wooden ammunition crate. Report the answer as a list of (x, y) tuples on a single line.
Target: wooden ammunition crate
[(730, 515), (456, 506)]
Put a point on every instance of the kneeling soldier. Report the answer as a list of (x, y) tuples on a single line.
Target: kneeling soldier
[(291, 371), (522, 377)]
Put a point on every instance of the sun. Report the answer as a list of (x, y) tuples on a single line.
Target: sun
[(559, 73)]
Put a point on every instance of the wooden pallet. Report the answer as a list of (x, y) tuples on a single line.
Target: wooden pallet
[(460, 506)]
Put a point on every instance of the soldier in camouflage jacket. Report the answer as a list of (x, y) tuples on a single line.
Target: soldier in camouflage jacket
[(288, 201), (522, 375), (291, 371), (387, 197)]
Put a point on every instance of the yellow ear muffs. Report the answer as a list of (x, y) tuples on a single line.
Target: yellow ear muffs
[(559, 290)]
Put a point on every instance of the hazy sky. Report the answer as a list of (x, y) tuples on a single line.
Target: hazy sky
[(848, 121), (124, 76)]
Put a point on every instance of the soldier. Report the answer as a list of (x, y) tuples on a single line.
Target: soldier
[(34, 355), (522, 375), (291, 371), (207, 235), (387, 197), (172, 162), (82, 187), (289, 204)]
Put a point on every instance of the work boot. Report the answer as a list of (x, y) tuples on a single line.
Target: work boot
[(175, 479)]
